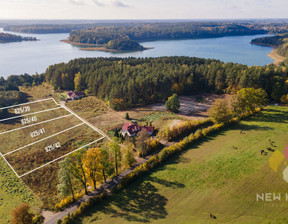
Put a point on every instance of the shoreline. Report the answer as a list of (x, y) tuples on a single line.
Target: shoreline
[(277, 59), (97, 47)]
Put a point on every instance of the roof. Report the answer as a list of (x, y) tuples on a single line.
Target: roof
[(72, 94), (131, 127)]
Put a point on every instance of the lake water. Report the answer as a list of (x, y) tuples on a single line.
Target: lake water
[(31, 57)]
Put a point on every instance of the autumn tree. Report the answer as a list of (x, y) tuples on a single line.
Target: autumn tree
[(65, 176), (78, 82), (78, 170), (107, 166), (142, 143), (128, 159), (220, 111), (92, 165), (115, 153), (22, 215), (250, 98), (173, 103), (284, 99)]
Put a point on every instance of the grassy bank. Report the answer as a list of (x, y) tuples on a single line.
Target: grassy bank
[(220, 175)]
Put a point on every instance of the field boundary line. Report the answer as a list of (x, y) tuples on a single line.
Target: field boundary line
[(10, 165), (68, 129), (11, 118), (55, 101), (60, 157), (36, 124), (37, 101)]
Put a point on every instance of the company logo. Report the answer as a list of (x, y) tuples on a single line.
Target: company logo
[(277, 159)]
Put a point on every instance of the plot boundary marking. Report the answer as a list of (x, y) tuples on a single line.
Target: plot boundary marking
[(38, 112), (60, 106)]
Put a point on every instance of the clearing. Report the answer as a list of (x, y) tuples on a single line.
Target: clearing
[(97, 113)]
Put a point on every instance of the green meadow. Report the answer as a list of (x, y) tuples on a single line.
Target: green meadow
[(220, 175), (13, 193)]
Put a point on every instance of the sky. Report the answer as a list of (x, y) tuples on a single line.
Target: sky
[(142, 9)]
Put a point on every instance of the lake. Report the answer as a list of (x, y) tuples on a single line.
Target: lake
[(35, 56)]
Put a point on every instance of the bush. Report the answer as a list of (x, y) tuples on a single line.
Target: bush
[(68, 200), (173, 103), (183, 129)]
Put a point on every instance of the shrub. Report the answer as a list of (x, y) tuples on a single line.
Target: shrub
[(173, 103), (183, 129)]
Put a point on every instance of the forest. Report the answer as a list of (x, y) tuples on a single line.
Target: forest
[(279, 41), (130, 82), (160, 31), (6, 38), (124, 45)]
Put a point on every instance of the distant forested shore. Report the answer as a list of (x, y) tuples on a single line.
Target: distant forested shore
[(6, 38), (279, 41), (157, 31), (127, 35)]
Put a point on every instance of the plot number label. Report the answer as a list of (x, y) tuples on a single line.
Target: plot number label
[(37, 132), (22, 110), (28, 120), (51, 147)]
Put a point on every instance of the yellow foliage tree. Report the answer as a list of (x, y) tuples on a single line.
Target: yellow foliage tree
[(78, 81), (92, 161)]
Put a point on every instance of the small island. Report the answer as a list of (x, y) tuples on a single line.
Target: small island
[(8, 38), (112, 46)]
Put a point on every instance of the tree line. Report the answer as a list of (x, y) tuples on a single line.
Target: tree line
[(9, 88), (89, 167), (129, 82), (279, 41), (161, 31), (6, 38)]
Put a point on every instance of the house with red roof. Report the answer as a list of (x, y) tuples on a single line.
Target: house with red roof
[(131, 129)]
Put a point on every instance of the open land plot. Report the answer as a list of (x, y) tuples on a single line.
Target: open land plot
[(44, 152), (220, 175), (38, 92), (190, 105), (51, 135), (18, 138), (22, 121), (97, 113), (15, 111)]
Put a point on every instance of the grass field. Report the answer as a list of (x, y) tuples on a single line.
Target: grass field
[(12, 193), (220, 175), (38, 92)]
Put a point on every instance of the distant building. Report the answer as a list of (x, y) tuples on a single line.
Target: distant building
[(71, 95), (131, 129)]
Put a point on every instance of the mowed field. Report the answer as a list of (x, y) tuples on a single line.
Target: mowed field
[(220, 175)]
